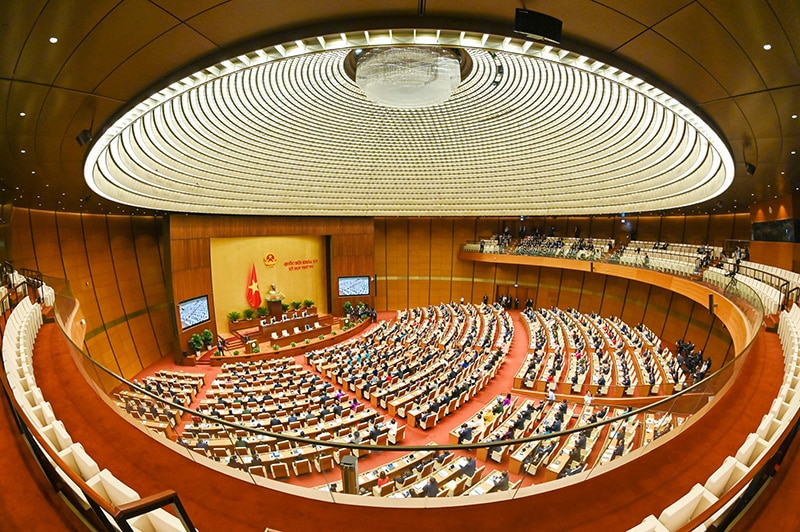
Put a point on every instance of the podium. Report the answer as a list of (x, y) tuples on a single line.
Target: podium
[(275, 308)]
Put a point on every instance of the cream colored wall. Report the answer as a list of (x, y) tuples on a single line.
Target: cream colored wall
[(230, 271)]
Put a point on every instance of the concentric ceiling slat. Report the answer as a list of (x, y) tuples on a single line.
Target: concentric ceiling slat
[(285, 131)]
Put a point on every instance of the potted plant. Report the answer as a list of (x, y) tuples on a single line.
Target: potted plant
[(308, 340), (296, 305), (294, 344), (285, 307), (217, 353), (275, 347), (348, 308), (208, 338), (256, 350), (236, 353), (262, 312), (234, 316), (249, 313), (196, 343), (308, 303)]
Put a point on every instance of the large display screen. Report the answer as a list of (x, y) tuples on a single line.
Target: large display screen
[(193, 312), (354, 286)]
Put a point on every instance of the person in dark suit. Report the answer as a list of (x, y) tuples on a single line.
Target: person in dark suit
[(374, 433), (619, 449), (464, 434), (432, 488), (468, 469)]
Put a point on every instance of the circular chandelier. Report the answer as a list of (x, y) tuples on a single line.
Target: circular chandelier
[(408, 77)]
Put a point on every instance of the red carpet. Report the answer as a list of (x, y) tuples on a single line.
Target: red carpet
[(28, 501), (644, 486)]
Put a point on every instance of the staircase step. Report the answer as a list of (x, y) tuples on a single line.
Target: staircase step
[(771, 323)]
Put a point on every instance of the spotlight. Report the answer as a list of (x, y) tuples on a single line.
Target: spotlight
[(750, 168), (537, 25), (84, 137)]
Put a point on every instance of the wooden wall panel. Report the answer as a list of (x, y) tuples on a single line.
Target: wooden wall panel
[(146, 341), (126, 266), (22, 240), (602, 227), (648, 228), (698, 329), (397, 293), (719, 344), (381, 247), (741, 227), (397, 263), (614, 296), (104, 277), (635, 303), (47, 249), (571, 285), (485, 227), (443, 254), (696, 229), (778, 254), (506, 273), (672, 229), (655, 314), (592, 292), (549, 287), (76, 268), (677, 320), (720, 229), (463, 231), (419, 261)]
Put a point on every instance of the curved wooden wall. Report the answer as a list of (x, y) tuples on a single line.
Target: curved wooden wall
[(114, 267)]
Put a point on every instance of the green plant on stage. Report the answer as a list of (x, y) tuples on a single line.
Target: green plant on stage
[(308, 303), (196, 342), (262, 312), (234, 316), (275, 347), (295, 305), (207, 336), (249, 313)]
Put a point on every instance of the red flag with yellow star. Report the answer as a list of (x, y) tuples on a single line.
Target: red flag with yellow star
[(253, 294)]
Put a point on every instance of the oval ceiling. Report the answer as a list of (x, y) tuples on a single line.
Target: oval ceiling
[(531, 130)]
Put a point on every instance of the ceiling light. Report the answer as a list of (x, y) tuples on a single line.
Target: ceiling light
[(408, 77), (22, 151), (22, 113), (767, 46), (794, 116), (53, 40)]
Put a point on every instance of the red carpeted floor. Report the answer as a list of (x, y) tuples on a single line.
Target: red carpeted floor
[(645, 485), (27, 500)]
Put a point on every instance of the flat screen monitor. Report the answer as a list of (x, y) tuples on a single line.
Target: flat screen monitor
[(193, 312), (354, 286)]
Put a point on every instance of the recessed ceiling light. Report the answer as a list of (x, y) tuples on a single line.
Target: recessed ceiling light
[(794, 116), (767, 46), (22, 151), (793, 152), (53, 40), (33, 171), (22, 113)]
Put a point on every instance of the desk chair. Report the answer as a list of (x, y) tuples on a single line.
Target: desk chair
[(278, 470), (301, 466)]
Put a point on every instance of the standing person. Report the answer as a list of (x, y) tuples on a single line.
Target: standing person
[(587, 399)]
